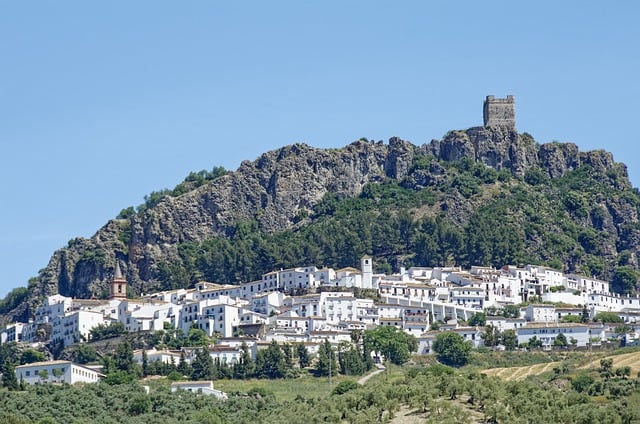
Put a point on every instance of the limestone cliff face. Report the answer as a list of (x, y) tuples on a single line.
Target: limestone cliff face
[(497, 147), (276, 187)]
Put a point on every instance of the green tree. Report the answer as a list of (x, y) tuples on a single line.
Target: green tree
[(184, 367), (57, 373), (623, 372), (350, 359), (344, 387), (608, 317), (511, 311), (244, 367), (622, 331), (9, 379), (124, 360), (573, 341), (535, 176), (287, 352), (126, 213), (270, 362), (478, 319), (582, 382), (145, 363), (11, 418), (139, 404), (560, 340), (43, 375), (303, 355), (30, 356), (196, 337), (326, 363), (202, 365), (101, 331), (10, 351), (571, 318), (606, 368), (221, 369), (14, 298), (585, 314), (85, 353), (509, 339), (394, 344), (491, 336), (452, 349), (625, 280), (534, 343)]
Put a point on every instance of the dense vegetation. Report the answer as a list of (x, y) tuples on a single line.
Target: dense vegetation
[(559, 222), (13, 299), (432, 394)]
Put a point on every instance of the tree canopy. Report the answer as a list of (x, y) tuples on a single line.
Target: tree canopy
[(452, 349), (394, 344)]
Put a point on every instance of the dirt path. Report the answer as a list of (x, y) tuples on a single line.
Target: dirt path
[(368, 376)]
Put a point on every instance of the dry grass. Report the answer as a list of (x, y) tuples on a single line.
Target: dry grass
[(631, 359), (520, 373)]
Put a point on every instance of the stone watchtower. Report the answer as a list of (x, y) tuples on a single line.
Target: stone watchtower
[(500, 112)]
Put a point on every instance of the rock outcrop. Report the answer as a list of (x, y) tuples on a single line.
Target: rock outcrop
[(281, 184)]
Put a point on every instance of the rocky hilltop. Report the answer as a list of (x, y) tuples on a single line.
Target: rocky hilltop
[(280, 189)]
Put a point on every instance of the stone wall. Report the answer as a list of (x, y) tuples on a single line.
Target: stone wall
[(499, 112)]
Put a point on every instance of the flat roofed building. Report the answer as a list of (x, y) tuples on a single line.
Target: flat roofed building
[(56, 372), (203, 387)]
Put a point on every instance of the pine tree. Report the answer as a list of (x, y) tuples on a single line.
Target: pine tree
[(244, 368), (124, 357), (585, 314), (303, 355), (202, 366), (270, 363), (9, 379), (145, 363), (326, 360), (183, 366), (288, 354)]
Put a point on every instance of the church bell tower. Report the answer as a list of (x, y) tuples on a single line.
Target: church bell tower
[(118, 286)]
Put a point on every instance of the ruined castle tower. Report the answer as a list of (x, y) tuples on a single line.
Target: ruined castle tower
[(500, 112)]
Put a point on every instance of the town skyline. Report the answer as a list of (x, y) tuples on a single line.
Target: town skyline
[(102, 107)]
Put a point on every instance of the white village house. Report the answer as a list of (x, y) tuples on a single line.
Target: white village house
[(202, 387), (267, 309), (56, 372)]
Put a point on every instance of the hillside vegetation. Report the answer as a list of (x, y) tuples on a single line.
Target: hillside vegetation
[(512, 222), (478, 197), (434, 394)]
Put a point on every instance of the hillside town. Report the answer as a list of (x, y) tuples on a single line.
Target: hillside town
[(311, 306)]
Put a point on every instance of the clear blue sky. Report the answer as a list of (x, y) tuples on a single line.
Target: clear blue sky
[(104, 102)]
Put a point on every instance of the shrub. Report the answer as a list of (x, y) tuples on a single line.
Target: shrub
[(258, 391), (581, 383), (439, 369), (344, 387)]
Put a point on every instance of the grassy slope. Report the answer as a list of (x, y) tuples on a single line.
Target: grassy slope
[(631, 359)]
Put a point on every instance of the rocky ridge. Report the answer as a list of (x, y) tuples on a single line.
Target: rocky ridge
[(282, 184)]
